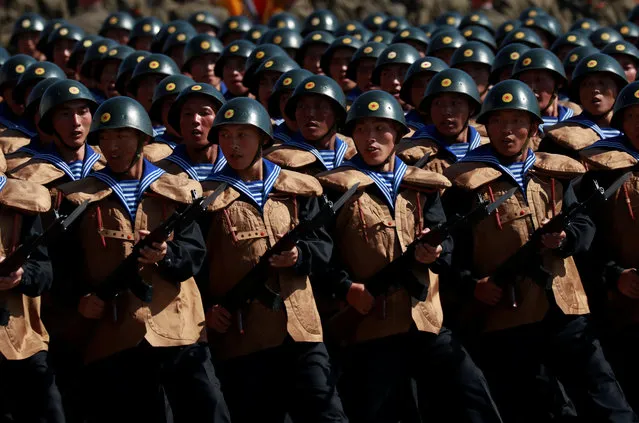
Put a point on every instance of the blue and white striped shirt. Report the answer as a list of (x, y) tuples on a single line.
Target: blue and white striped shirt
[(585, 120), (328, 157), (563, 112), (130, 189), (76, 169), (256, 188)]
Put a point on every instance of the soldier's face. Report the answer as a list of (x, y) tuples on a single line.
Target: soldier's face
[(233, 75), (71, 122), (240, 144), (315, 116), (505, 73), (312, 56), (167, 102), (177, 54), (284, 96), (629, 66), (146, 87), (107, 78), (418, 87), (142, 43), (265, 87), (119, 147), (375, 140), (202, 28), (421, 48), (27, 43), (196, 119), (445, 54), (542, 83), (364, 74), (338, 66), (630, 125), (7, 95), (479, 73), (597, 93), (118, 34), (562, 52), (391, 79), (203, 69), (449, 113), (509, 131), (545, 41), (61, 53)]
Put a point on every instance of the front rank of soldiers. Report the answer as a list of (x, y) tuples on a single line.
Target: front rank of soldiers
[(372, 220)]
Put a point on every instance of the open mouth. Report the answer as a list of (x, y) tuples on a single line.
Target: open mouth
[(312, 125), (196, 132)]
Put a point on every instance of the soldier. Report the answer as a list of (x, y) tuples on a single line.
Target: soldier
[(362, 64), (533, 315), (374, 20), (629, 31), (505, 59), (90, 65), (414, 37), (335, 62), (143, 32), (525, 36), (25, 35), (546, 27), (627, 55), (77, 54), (192, 115), (106, 70), (398, 337), (596, 82), (416, 80), (200, 57), (234, 28), (390, 68), (175, 45), (478, 18), (49, 27), (267, 74), (60, 45), (318, 107), (147, 75), (476, 59), (256, 33), (604, 36), (570, 40), (320, 20), (450, 101), (177, 26), (481, 34), (230, 68), (444, 43), (25, 341), (118, 26), (125, 71), (506, 28), (384, 37), (313, 48), (127, 339), (572, 60), (282, 91), (286, 38), (205, 22)]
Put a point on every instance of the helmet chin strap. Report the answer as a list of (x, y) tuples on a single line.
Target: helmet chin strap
[(331, 131), (136, 157), (64, 144), (553, 98)]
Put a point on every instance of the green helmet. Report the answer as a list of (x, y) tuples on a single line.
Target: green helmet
[(178, 39), (481, 34), (126, 69), (412, 34), (204, 17), (80, 49), (346, 42), (64, 32), (117, 20), (49, 27), (155, 64), (505, 29), (197, 90), (429, 29), (288, 82), (532, 12), (284, 20), (373, 21), (322, 86), (148, 26), (477, 19), (242, 111), (172, 27), (320, 20), (260, 54), (604, 36), (13, 68), (506, 57), (628, 97), (256, 33), (628, 30), (445, 39), (450, 19), (383, 37), (118, 52), (169, 86), (540, 59), (473, 52), (422, 66), (235, 25), (35, 73), (238, 48), (94, 54), (510, 95), (313, 38), (120, 113), (394, 24), (370, 50), (29, 22), (575, 55), (575, 38), (401, 54), (545, 25), (622, 48), (453, 81), (60, 92), (596, 63), (524, 36), (279, 64), (348, 27), (33, 100), (375, 104), (587, 25), (198, 46), (286, 38)]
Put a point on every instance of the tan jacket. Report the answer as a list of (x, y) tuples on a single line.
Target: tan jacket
[(368, 237), (11, 140), (571, 136), (519, 219), (156, 151), (238, 236), (175, 316)]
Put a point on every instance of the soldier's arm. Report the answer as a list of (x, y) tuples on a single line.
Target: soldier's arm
[(185, 254), (38, 274), (581, 231), (315, 250), (433, 214)]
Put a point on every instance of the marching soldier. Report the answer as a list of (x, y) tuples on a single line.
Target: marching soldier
[(335, 62), (90, 66), (77, 54), (13, 127), (266, 75), (175, 45), (360, 69), (200, 58), (288, 39), (147, 75), (444, 43), (125, 71), (205, 22), (476, 59), (505, 60), (117, 27), (391, 68), (627, 55), (313, 47), (106, 70), (60, 44), (230, 68), (282, 92), (143, 32), (234, 28), (413, 37), (570, 40), (25, 35)]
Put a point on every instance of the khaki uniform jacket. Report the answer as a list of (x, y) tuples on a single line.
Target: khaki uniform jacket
[(11, 140), (568, 138), (494, 239)]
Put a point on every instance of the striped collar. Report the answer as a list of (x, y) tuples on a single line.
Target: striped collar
[(282, 133), (585, 120), (398, 175), (270, 175), (150, 174), (564, 113), (3, 181), (340, 150), (181, 158), (415, 120), (158, 130), (620, 143), (456, 151), (516, 172), (52, 156)]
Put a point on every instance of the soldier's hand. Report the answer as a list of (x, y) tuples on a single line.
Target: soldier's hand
[(425, 253), (359, 298), (553, 240), (628, 284), (487, 292), (12, 280), (218, 318), (154, 253), (286, 258), (91, 307)]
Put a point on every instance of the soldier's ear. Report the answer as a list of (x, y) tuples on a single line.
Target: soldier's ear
[(534, 129)]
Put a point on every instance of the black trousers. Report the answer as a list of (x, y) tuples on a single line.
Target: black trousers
[(567, 347), (293, 378), (622, 349), (28, 391), (130, 386), (449, 384)]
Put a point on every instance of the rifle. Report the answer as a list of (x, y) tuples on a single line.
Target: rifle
[(529, 253), (18, 258), (421, 162), (344, 323), (123, 276), (253, 285)]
